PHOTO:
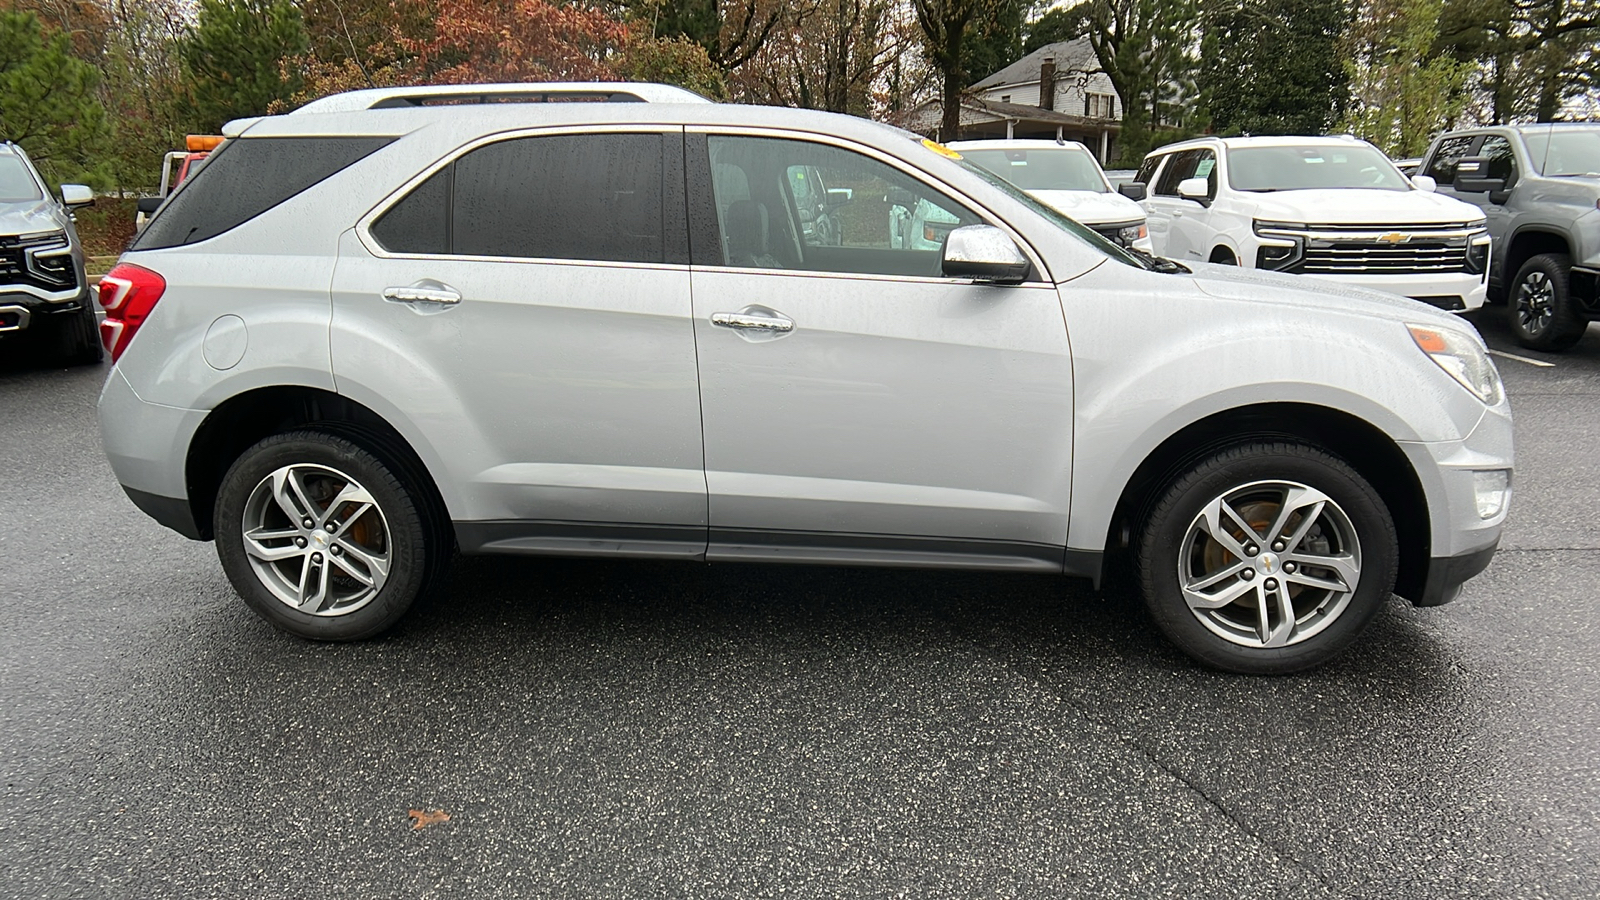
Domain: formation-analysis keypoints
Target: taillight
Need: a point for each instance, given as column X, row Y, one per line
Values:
column 128, row 293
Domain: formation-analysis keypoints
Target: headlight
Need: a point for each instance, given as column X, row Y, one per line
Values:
column 1131, row 233
column 1262, row 226
column 1464, row 358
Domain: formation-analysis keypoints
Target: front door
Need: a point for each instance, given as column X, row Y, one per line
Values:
column 858, row 404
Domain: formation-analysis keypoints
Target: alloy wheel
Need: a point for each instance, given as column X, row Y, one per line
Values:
column 1269, row 564
column 316, row 539
column 1535, row 303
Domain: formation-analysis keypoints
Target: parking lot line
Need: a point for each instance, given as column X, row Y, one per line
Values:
column 1523, row 359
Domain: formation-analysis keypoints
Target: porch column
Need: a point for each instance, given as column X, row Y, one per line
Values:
column 1010, row 124
column 1105, row 147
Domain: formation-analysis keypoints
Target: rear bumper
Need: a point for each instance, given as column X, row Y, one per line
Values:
column 147, row 446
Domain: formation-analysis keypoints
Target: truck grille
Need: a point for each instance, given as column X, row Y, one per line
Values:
column 51, row 272
column 1380, row 249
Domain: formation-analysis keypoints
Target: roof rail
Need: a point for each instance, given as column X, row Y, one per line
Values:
column 459, row 94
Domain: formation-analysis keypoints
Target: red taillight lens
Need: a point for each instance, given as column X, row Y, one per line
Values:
column 128, row 293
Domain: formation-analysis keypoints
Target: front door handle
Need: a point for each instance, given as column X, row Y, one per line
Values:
column 759, row 321
column 423, row 292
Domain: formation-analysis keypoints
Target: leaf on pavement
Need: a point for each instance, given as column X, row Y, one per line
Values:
column 422, row 818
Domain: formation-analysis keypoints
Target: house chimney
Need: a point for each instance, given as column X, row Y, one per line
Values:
column 1047, row 83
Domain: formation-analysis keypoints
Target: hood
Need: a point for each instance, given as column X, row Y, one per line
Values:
column 1235, row 283
column 30, row 216
column 1091, row 207
column 1360, row 206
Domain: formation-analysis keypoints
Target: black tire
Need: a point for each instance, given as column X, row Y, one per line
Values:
column 1252, row 473
column 77, row 337
column 403, row 534
column 1539, row 305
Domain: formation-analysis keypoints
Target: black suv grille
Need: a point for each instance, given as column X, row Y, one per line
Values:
column 50, row 271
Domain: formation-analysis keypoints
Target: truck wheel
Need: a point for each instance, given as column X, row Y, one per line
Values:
column 1267, row 558
column 77, row 337
column 1539, row 304
column 322, row 538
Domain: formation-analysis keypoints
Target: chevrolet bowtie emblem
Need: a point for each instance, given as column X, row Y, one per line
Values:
column 1394, row 237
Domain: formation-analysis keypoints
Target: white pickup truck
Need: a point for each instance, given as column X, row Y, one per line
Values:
column 1333, row 208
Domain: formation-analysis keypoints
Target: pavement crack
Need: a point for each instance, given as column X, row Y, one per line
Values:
column 1129, row 741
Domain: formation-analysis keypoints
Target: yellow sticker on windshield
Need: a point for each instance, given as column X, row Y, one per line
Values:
column 940, row 149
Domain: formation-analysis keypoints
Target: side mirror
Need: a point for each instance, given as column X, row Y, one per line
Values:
column 149, row 205
column 76, row 195
column 1195, row 189
column 1472, row 176
column 985, row 254
column 1133, row 190
column 840, row 196
column 1424, row 183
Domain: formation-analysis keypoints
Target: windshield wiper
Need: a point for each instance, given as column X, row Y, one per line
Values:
column 1157, row 263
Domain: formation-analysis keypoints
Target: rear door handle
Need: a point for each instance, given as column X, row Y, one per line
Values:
column 423, row 292
column 749, row 320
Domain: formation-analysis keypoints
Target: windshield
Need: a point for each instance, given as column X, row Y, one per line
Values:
column 1043, row 168
column 1317, row 166
column 16, row 182
column 1565, row 152
column 1087, row 235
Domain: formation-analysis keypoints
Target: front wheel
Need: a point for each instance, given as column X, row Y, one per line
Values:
column 1542, row 314
column 322, row 538
column 1267, row 558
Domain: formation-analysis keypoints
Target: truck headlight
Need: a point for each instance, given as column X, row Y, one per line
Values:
column 1464, row 358
column 1126, row 236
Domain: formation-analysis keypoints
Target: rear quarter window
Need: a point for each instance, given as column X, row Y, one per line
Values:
column 244, row 178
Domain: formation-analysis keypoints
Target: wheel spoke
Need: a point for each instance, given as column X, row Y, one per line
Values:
column 377, row 565
column 313, row 587
column 253, row 544
column 1218, row 576
column 1238, row 519
column 1279, row 634
column 1347, row 573
column 1295, row 499
column 1211, row 523
column 1218, row 599
column 352, row 493
column 344, row 525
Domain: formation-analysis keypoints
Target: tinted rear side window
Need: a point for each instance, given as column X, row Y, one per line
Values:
column 244, row 178
column 421, row 222
column 562, row 197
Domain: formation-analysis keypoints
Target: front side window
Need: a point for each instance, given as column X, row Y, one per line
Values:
column 1043, row 169
column 791, row 204
column 1442, row 168
column 1313, row 167
column 1502, row 161
column 1200, row 163
column 16, row 182
column 589, row 196
column 1147, row 171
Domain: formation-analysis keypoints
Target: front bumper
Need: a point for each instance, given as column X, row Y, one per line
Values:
column 21, row 311
column 1461, row 541
column 1584, row 284
column 1451, row 291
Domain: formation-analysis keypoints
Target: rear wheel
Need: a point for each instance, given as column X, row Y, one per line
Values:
column 322, row 538
column 1540, row 307
column 1267, row 558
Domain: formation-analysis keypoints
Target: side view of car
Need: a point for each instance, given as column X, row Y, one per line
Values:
column 1539, row 186
column 1066, row 176
column 44, row 295
column 359, row 340
column 1333, row 208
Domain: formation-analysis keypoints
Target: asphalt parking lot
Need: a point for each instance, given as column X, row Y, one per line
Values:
column 622, row 729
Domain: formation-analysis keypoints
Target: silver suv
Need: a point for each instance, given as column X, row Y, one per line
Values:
column 44, row 295
column 358, row 341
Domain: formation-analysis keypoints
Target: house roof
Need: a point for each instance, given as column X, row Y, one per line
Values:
column 974, row 110
column 1071, row 56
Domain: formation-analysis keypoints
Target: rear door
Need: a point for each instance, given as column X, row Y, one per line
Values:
column 523, row 308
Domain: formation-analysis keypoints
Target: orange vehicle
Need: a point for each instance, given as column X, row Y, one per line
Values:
column 176, row 168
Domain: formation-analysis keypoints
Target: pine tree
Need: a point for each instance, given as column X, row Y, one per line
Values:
column 238, row 61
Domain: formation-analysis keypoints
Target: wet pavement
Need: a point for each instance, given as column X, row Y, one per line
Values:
column 628, row 729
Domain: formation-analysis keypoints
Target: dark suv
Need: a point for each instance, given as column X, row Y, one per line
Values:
column 44, row 294
column 1539, row 185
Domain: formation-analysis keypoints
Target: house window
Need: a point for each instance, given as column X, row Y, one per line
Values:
column 1005, row 98
column 1099, row 106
